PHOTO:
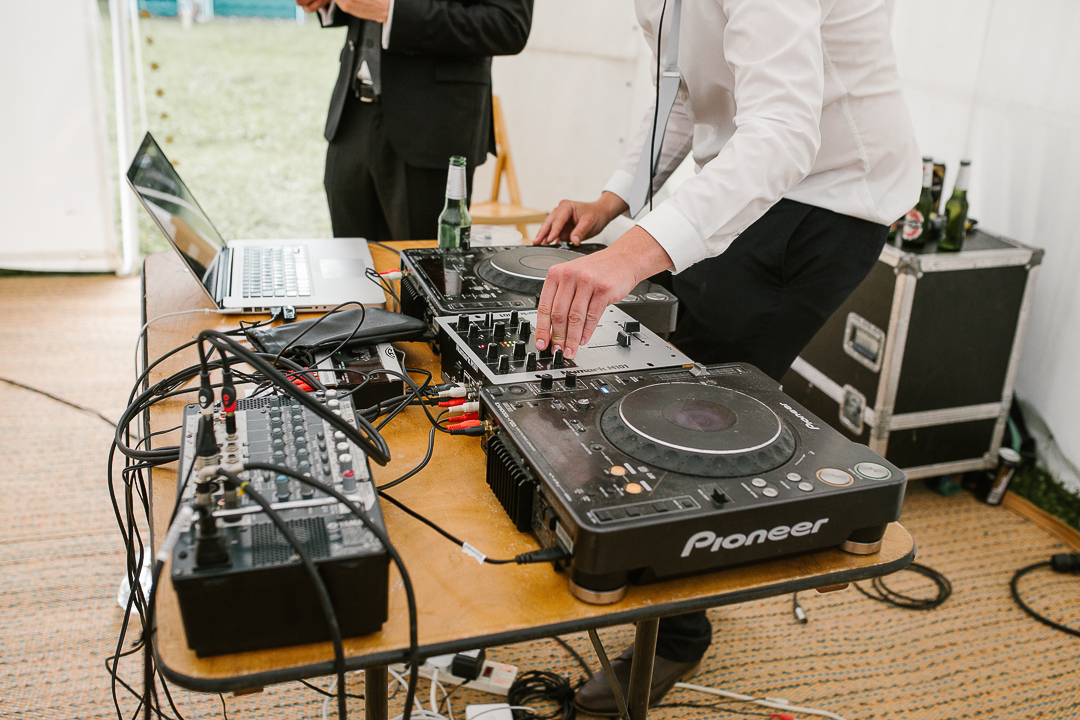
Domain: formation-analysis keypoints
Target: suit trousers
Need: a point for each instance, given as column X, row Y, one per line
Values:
column 371, row 191
column 761, row 302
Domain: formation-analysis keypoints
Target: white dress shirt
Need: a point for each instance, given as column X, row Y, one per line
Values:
column 326, row 16
column 798, row 99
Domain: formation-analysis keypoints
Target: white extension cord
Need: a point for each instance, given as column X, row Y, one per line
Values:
column 774, row 703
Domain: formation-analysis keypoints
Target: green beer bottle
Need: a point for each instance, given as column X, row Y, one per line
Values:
column 916, row 226
column 956, row 210
column 455, row 223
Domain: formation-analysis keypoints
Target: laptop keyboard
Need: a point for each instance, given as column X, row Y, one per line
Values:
column 276, row 272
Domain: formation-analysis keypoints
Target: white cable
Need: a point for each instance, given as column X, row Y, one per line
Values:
column 142, row 330
column 774, row 703
column 434, row 687
column 192, row 704
column 328, row 698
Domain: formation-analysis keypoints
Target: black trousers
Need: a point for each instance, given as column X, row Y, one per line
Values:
column 761, row 302
column 372, row 193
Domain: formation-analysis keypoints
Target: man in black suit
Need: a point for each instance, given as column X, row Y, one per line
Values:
column 414, row 89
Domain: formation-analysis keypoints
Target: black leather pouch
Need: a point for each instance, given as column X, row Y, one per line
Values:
column 331, row 330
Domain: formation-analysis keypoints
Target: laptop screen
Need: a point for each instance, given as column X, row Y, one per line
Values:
column 175, row 210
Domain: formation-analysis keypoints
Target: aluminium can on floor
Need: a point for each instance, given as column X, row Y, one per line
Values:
column 919, row 363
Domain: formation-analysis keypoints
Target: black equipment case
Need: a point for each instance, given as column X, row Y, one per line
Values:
column 919, row 362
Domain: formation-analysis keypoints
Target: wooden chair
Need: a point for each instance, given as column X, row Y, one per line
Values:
column 494, row 212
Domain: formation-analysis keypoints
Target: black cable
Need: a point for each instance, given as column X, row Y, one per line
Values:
column 224, row 710
column 384, row 246
column 882, row 593
column 319, row 690
column 1014, row 589
column 656, row 105
column 536, row 556
column 326, row 604
column 406, row 580
column 369, row 440
column 92, row 411
column 574, row 654
column 542, row 685
column 423, row 463
column 315, row 324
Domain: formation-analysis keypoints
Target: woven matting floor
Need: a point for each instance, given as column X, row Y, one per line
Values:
column 977, row 656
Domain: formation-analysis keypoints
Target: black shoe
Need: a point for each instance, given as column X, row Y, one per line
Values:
column 595, row 696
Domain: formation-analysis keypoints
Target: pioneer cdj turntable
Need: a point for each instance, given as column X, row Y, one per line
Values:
column 441, row 282
column 643, row 476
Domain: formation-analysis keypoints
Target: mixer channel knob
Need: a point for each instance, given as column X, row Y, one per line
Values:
column 504, row 364
column 519, row 351
column 474, row 333
column 530, row 362
column 570, row 380
column 514, row 317
column 489, row 320
column 499, row 332
column 546, row 382
column 545, row 354
column 524, row 330
column 331, row 394
column 462, row 323
column 557, row 361
column 492, row 352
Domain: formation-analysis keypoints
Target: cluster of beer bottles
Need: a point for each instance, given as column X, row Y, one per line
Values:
column 923, row 224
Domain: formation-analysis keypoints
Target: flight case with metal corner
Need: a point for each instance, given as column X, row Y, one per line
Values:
column 919, row 362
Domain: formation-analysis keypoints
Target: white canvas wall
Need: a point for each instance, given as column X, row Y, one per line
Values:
column 998, row 81
column 55, row 199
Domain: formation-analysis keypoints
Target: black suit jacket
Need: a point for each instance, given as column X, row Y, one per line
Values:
column 436, row 75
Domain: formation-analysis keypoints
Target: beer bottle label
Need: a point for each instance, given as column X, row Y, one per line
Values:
column 912, row 225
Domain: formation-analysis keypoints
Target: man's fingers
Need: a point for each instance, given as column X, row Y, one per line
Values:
column 541, row 234
column 543, row 311
column 581, row 229
column 576, row 318
column 597, row 305
column 561, row 215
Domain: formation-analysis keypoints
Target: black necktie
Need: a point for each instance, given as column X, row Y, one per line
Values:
column 370, row 53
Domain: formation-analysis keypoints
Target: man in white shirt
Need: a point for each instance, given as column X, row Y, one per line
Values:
column 805, row 155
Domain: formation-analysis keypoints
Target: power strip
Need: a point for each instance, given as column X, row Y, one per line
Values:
column 495, row 677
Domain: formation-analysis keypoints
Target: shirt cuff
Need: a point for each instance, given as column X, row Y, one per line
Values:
column 619, row 184
column 670, row 228
column 386, row 26
column 326, row 14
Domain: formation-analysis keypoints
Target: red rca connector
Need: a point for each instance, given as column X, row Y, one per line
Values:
column 781, row 716
column 391, row 274
column 465, row 416
column 452, row 403
column 302, row 385
column 463, row 425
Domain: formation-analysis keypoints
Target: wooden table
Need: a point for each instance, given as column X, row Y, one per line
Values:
column 462, row 605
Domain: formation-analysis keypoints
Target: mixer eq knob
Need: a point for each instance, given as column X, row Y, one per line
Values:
column 519, row 351
column 504, row 364
column 530, row 362
column 524, row 329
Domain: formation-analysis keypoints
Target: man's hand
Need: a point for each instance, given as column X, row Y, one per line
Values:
column 575, row 222
column 576, row 293
column 377, row 10
column 312, row 5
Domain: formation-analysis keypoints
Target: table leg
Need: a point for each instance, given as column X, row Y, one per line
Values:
column 375, row 702
column 641, row 668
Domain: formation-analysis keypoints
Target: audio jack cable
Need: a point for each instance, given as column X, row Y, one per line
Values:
column 1062, row 563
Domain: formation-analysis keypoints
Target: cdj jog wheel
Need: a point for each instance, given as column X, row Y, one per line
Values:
column 523, row 269
column 696, row 429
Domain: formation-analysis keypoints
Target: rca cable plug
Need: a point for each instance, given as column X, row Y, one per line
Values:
column 207, row 450
column 228, row 399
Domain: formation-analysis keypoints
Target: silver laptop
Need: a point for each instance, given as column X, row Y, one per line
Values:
column 250, row 276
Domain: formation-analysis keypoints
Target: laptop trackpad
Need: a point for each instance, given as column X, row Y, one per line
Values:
column 331, row 268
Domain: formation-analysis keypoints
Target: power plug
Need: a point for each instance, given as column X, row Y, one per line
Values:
column 494, row 677
column 494, row 711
